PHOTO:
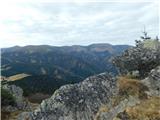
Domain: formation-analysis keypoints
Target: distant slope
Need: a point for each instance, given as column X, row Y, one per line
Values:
column 50, row 64
column 18, row 77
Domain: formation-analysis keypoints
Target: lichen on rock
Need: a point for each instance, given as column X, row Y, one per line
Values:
column 79, row 101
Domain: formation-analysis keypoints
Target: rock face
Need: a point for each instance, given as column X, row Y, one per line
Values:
column 17, row 93
column 153, row 81
column 110, row 115
column 77, row 102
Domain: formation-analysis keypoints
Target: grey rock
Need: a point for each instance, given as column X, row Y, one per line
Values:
column 153, row 82
column 78, row 101
column 135, row 73
column 113, row 112
column 24, row 116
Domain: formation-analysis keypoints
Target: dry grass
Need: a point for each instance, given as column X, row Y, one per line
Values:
column 149, row 109
column 132, row 87
column 129, row 87
column 10, row 115
column 103, row 108
column 5, row 115
column 18, row 76
column 14, row 115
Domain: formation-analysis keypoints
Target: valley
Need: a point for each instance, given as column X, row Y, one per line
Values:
column 43, row 69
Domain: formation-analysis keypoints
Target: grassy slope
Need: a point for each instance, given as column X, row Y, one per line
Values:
column 149, row 107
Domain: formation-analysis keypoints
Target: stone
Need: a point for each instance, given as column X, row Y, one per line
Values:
column 78, row 101
column 153, row 81
column 113, row 112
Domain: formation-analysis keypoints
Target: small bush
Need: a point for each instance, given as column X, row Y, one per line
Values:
column 7, row 98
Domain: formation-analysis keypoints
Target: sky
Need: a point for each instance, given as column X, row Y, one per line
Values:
column 24, row 22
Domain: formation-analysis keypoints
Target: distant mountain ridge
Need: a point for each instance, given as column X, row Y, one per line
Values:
column 57, row 66
column 92, row 47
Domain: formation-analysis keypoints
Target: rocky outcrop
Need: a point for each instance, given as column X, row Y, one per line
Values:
column 153, row 82
column 20, row 102
column 78, row 101
column 110, row 115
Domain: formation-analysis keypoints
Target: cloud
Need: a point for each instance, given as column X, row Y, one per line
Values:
column 76, row 23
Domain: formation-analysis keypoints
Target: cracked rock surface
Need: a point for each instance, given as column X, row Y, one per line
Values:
column 79, row 101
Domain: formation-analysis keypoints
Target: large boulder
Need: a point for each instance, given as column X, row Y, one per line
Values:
column 78, row 101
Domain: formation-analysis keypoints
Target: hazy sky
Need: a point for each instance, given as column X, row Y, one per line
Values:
column 76, row 23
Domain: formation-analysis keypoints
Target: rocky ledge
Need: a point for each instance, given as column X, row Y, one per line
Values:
column 76, row 102
column 153, row 82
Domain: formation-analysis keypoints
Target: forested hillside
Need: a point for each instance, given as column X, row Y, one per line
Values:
column 45, row 68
